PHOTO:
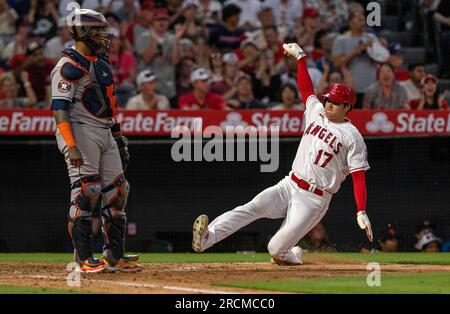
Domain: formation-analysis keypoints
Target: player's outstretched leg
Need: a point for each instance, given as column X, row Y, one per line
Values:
column 270, row 203
column 305, row 211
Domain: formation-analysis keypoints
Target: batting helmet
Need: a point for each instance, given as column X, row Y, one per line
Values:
column 340, row 93
column 92, row 28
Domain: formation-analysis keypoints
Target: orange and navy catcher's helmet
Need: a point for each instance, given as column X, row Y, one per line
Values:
column 92, row 28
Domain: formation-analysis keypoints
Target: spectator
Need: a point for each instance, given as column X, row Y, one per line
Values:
column 249, row 55
column 289, row 75
column 187, row 20
column 54, row 46
column 287, row 13
column 216, row 66
column 424, row 227
column 309, row 27
column 200, row 98
column 147, row 99
column 317, row 240
column 333, row 13
column 349, row 51
column 442, row 16
column 227, row 36
column 386, row 93
column 274, row 46
column 184, row 70
column 39, row 68
column 129, row 11
column 413, row 85
column 266, row 80
column 142, row 24
column 319, row 44
column 388, row 240
column 227, row 87
column 428, row 243
column 290, row 99
column 396, row 60
column 9, row 90
column 124, row 68
column 248, row 19
column 431, row 97
column 19, row 43
column 187, row 48
column 328, row 78
column 8, row 18
column 325, row 49
column 159, row 49
column 244, row 98
column 266, row 19
column 44, row 17
column 210, row 12
column 201, row 52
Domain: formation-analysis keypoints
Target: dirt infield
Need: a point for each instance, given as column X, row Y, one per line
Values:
column 188, row 277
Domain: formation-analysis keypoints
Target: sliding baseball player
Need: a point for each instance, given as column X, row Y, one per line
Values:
column 331, row 148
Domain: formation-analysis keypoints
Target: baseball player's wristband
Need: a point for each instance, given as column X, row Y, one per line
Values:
column 65, row 128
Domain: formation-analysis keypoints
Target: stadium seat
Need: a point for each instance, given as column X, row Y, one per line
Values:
column 390, row 22
column 403, row 38
column 432, row 68
column 414, row 55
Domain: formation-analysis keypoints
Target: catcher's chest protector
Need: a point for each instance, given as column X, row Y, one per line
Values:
column 99, row 95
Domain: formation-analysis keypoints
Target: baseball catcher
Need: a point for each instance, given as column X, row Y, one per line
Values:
column 331, row 148
column 89, row 137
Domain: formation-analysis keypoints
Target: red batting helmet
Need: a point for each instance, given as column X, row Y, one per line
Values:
column 340, row 93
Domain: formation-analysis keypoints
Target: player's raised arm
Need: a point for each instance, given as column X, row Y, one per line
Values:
column 303, row 79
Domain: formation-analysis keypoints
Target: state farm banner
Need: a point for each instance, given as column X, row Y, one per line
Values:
column 290, row 123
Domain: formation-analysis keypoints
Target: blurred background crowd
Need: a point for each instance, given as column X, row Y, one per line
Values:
column 196, row 54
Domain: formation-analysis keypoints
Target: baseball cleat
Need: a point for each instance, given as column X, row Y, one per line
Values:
column 199, row 231
column 131, row 258
column 92, row 265
column 122, row 266
column 297, row 251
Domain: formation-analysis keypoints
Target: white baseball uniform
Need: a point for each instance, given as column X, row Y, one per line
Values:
column 327, row 153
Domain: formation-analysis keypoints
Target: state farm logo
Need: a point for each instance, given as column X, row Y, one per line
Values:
column 232, row 120
column 380, row 122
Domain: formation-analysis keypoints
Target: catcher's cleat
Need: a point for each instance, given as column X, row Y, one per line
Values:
column 131, row 258
column 92, row 265
column 122, row 266
column 297, row 251
column 199, row 231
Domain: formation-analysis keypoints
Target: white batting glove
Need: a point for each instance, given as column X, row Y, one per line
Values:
column 294, row 50
column 364, row 223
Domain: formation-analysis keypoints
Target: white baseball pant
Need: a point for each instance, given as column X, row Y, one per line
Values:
column 301, row 209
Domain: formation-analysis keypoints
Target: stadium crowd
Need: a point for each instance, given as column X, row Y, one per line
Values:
column 195, row 54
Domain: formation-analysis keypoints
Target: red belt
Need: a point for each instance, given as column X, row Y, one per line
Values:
column 305, row 185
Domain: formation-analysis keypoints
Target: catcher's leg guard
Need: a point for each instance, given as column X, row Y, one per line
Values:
column 85, row 194
column 115, row 219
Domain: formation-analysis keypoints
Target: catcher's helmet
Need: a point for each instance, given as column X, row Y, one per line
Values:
column 90, row 27
column 340, row 93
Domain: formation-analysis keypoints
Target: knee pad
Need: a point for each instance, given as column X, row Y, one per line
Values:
column 86, row 199
column 118, row 200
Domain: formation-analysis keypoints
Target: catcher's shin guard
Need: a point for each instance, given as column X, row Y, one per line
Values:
column 115, row 219
column 85, row 194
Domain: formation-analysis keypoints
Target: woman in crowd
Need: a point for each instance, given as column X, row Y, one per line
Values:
column 9, row 90
column 386, row 92
column 289, row 99
column 431, row 96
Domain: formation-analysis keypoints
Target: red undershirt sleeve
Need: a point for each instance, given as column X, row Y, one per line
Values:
column 359, row 189
column 304, row 82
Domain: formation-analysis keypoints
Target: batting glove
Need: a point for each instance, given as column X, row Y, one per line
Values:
column 364, row 223
column 294, row 50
